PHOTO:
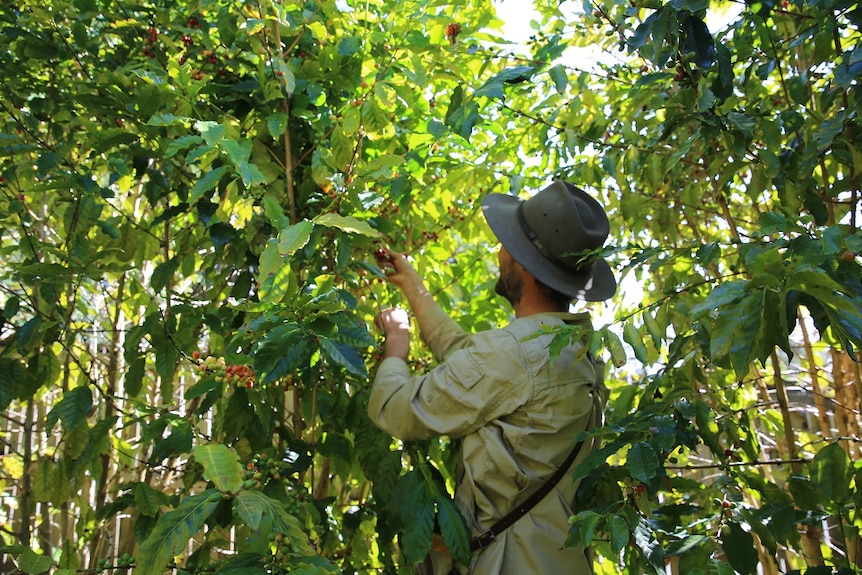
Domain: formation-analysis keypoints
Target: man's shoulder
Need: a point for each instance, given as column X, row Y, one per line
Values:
column 536, row 322
column 528, row 328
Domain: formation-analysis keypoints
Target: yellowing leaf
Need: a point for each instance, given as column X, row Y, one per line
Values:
column 12, row 466
column 221, row 466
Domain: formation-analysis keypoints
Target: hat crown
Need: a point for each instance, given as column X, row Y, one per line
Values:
column 548, row 234
column 563, row 221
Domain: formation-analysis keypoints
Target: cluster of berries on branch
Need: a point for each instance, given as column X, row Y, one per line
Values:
column 232, row 374
column 118, row 565
column 259, row 470
column 203, row 58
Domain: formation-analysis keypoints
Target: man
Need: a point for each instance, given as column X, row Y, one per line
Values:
column 516, row 410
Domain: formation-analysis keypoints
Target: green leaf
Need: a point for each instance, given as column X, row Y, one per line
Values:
column 202, row 387
column 312, row 566
column 461, row 116
column 274, row 273
column 642, row 462
column 416, row 508
column 559, row 342
column 182, row 143
column 294, row 237
column 356, row 335
column 619, row 533
column 72, row 410
column 51, row 483
column 344, row 355
column 212, row 131
column 250, row 174
column 207, row 183
column 587, row 524
column 645, row 30
column 831, row 475
column 256, row 508
column 244, row 563
column 34, row 563
column 560, row 78
column 737, row 333
column 632, row 336
column 613, row 344
column 237, row 151
column 167, row 357
column 276, row 124
column 221, row 466
column 698, row 40
column 493, row 88
column 134, row 379
column 28, row 335
column 717, row 567
column 738, row 546
column 148, row 500
column 283, row 350
column 177, row 443
column 594, row 459
column 650, row 546
column 348, row 224
column 167, row 120
column 706, row 100
column 805, row 496
column 722, row 295
column 818, row 284
column 655, row 331
column 173, row 531
column 832, row 240
column 456, row 535
column 163, row 274
column 342, row 147
column 706, row 425
column 743, row 122
column 382, row 167
column 249, row 508
column 12, row 379
column 685, row 545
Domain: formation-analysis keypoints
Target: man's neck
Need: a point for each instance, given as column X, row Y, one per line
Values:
column 531, row 306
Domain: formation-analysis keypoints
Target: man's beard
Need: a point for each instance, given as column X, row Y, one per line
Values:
column 509, row 285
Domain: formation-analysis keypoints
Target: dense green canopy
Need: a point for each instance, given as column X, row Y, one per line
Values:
column 193, row 195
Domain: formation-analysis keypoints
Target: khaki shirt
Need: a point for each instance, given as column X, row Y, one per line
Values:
column 517, row 414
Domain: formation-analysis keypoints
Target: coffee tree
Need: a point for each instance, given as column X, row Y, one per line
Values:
column 198, row 199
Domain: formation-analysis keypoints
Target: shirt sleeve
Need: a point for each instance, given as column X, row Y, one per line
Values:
column 441, row 333
column 481, row 381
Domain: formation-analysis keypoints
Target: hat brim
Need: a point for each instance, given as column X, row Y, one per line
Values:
column 501, row 213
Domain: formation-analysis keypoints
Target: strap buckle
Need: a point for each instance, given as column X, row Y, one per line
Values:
column 483, row 539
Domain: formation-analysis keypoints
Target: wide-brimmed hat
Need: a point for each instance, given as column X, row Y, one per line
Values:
column 548, row 235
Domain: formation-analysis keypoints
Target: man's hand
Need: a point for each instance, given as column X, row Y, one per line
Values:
column 399, row 270
column 396, row 329
column 401, row 273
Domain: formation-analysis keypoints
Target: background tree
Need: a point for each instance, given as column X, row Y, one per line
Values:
column 196, row 196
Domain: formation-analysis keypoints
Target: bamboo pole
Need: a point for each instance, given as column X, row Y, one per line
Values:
column 812, row 539
column 819, row 402
column 24, row 497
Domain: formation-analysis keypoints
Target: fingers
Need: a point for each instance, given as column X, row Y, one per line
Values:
column 396, row 329
column 402, row 267
column 393, row 319
column 399, row 261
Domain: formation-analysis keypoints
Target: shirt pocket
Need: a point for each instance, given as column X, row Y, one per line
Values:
column 465, row 368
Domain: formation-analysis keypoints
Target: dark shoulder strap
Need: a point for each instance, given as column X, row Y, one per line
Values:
column 485, row 539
